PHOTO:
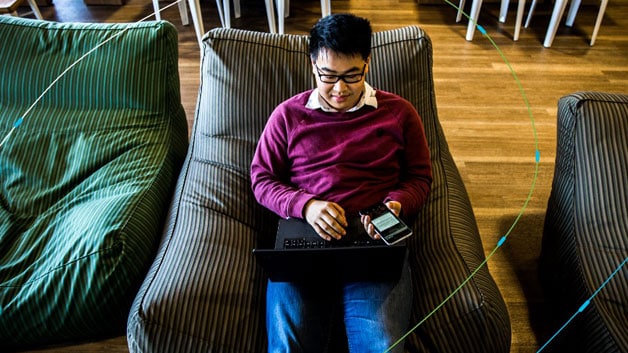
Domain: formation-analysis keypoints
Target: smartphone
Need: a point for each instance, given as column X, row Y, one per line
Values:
column 391, row 229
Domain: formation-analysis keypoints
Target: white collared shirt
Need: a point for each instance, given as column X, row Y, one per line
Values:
column 368, row 98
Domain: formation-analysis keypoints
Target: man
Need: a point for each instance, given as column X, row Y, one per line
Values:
column 324, row 155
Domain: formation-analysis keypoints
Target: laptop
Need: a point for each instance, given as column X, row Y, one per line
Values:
column 300, row 254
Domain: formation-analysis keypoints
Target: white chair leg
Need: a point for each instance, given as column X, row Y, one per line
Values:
column 571, row 15
column 226, row 8
column 557, row 14
column 460, row 9
column 197, row 19
column 503, row 10
column 183, row 10
column 598, row 21
column 530, row 13
column 221, row 13
column 35, row 9
column 270, row 14
column 237, row 13
column 325, row 8
column 474, row 15
column 520, row 9
column 281, row 12
column 276, row 23
column 156, row 8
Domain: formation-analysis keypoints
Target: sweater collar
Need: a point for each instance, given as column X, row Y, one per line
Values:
column 368, row 98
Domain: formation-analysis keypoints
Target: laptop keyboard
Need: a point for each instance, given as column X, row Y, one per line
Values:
column 314, row 242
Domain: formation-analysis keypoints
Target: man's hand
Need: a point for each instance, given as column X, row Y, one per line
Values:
column 394, row 206
column 327, row 218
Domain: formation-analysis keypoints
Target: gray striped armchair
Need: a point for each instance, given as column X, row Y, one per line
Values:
column 205, row 292
column 585, row 237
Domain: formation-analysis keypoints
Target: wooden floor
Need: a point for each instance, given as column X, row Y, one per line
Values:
column 496, row 101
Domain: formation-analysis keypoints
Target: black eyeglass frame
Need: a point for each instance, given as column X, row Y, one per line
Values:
column 347, row 78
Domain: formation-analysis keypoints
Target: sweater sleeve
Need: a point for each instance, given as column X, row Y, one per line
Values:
column 416, row 178
column 270, row 170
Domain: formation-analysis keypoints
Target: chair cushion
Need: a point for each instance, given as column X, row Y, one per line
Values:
column 206, row 293
column 86, row 177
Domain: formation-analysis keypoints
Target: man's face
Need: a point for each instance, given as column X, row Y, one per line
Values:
column 341, row 95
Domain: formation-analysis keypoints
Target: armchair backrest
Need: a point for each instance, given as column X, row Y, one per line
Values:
column 256, row 85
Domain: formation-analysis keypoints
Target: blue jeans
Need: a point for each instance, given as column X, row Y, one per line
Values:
column 300, row 317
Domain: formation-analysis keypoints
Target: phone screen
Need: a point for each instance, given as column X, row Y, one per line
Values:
column 390, row 227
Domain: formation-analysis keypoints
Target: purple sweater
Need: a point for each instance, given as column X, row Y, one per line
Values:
column 354, row 159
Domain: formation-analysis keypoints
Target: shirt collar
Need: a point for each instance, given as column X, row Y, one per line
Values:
column 368, row 98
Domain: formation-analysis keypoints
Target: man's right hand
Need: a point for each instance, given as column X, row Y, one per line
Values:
column 327, row 218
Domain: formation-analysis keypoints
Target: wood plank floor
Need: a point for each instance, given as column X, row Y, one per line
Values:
column 496, row 101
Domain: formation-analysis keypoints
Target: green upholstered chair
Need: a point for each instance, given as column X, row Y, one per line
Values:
column 86, row 177
column 205, row 292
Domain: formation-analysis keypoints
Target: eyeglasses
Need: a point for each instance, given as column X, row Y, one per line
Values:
column 350, row 78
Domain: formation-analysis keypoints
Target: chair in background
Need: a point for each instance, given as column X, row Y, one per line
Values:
column 224, row 12
column 283, row 7
column 584, row 235
column 10, row 7
column 557, row 14
column 475, row 14
column 86, row 179
column 197, row 17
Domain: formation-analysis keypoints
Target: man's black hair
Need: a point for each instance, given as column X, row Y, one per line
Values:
column 345, row 34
